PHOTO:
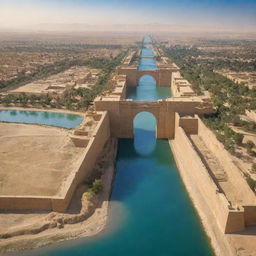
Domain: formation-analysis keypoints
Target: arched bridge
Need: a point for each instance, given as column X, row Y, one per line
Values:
column 163, row 75
column 123, row 112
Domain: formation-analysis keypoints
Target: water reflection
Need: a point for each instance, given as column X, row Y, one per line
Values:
column 145, row 130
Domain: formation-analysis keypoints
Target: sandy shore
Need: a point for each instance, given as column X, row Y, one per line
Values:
column 91, row 226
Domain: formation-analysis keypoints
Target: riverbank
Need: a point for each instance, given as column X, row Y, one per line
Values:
column 88, row 222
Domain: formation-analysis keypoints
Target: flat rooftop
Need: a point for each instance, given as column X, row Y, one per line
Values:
column 35, row 160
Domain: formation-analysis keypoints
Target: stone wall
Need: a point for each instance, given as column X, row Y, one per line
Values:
column 189, row 124
column 203, row 188
column 245, row 194
column 250, row 215
column 122, row 113
column 191, row 166
column 92, row 151
column 163, row 75
column 25, row 202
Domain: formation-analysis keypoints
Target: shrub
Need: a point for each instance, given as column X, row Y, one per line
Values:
column 251, row 183
column 96, row 187
column 238, row 138
column 249, row 144
column 254, row 167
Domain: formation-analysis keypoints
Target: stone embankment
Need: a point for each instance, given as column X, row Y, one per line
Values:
column 222, row 197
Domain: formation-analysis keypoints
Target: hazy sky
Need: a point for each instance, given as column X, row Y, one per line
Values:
column 210, row 13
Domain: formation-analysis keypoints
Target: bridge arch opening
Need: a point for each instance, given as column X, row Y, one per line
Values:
column 144, row 129
column 147, row 81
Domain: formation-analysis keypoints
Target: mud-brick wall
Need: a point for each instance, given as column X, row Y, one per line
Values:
column 25, row 202
column 131, row 74
column 165, row 77
column 88, row 160
column 200, row 182
column 250, row 215
column 190, row 125
column 244, row 192
column 92, row 151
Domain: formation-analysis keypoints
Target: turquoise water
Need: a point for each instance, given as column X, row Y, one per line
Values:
column 46, row 118
column 147, row 52
column 147, row 64
column 147, row 90
column 150, row 212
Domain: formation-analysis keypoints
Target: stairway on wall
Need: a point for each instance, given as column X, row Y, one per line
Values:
column 209, row 159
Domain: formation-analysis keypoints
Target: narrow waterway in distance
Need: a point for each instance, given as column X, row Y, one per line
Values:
column 147, row 90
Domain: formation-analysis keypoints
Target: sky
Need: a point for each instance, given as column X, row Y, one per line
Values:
column 230, row 14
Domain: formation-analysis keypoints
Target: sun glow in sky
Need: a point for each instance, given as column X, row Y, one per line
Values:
column 232, row 14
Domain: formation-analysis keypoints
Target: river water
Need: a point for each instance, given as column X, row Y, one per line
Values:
column 150, row 213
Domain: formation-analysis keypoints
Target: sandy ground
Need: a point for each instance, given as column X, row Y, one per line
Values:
column 244, row 242
column 35, row 160
column 91, row 226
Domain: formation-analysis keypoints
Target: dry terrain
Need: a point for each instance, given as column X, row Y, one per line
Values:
column 35, row 160
column 85, row 217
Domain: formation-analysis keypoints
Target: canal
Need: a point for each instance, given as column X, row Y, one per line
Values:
column 151, row 213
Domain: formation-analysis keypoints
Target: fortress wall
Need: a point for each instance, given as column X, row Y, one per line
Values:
column 250, row 215
column 201, row 187
column 245, row 194
column 191, row 166
column 165, row 78
column 189, row 106
column 60, row 204
column 113, row 108
column 25, row 202
column 131, row 74
column 95, row 146
column 122, row 113
column 190, row 125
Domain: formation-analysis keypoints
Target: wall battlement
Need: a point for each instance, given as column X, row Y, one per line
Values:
column 230, row 216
